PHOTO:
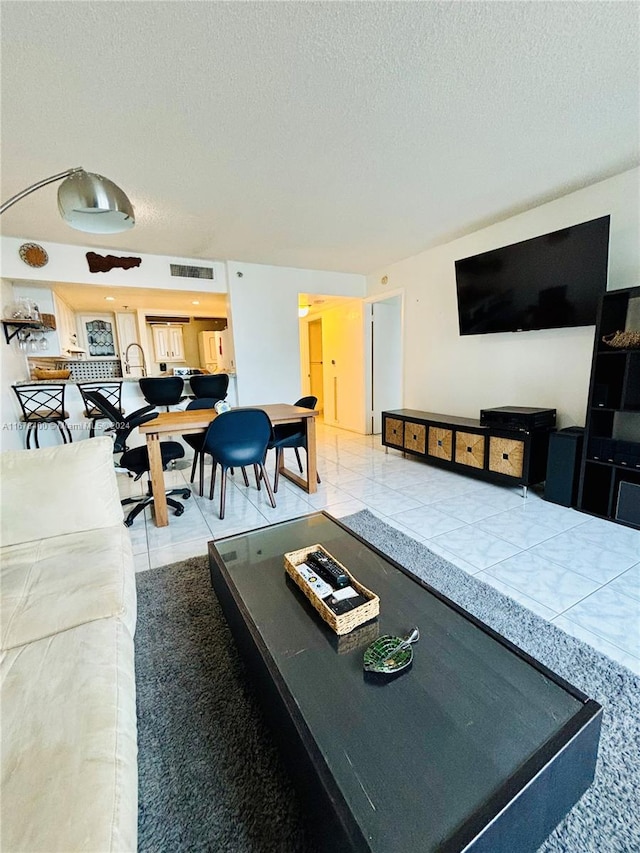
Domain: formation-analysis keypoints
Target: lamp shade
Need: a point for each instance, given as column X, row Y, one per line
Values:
column 92, row 203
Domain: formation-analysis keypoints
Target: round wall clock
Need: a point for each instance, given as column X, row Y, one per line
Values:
column 33, row 254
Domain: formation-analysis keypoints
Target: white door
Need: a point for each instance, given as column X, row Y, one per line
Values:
column 127, row 325
column 386, row 358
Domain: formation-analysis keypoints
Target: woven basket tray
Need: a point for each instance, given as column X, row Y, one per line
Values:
column 49, row 373
column 347, row 621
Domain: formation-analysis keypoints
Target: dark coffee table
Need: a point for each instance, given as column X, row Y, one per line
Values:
column 477, row 747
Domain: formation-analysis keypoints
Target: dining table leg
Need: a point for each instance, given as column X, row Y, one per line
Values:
column 312, row 459
column 157, row 480
column 310, row 483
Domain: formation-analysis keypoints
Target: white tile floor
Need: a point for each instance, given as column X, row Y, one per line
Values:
column 579, row 572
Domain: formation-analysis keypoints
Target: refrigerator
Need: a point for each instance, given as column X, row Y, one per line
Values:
column 216, row 352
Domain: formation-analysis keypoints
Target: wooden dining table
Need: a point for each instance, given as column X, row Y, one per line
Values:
column 187, row 422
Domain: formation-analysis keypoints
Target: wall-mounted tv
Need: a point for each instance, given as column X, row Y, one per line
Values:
column 547, row 282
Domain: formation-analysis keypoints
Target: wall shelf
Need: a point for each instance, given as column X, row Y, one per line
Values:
column 43, row 325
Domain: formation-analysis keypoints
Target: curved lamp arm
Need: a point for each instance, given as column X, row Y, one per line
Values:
column 86, row 201
column 33, row 187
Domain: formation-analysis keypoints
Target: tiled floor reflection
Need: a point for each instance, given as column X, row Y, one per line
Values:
column 580, row 572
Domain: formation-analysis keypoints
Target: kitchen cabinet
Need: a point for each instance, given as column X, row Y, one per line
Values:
column 168, row 344
column 97, row 335
column 610, row 470
column 207, row 351
column 461, row 444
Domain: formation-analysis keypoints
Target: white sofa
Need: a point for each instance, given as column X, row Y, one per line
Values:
column 68, row 716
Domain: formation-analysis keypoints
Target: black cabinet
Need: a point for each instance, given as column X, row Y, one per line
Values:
column 461, row 444
column 610, row 471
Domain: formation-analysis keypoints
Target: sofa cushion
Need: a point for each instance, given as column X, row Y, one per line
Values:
column 58, row 490
column 69, row 758
column 56, row 584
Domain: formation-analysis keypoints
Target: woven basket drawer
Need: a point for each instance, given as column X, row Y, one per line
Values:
column 347, row 621
column 470, row 449
column 394, row 431
column 441, row 443
column 415, row 437
column 506, row 456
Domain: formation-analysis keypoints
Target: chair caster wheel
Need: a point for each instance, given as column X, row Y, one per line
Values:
column 179, row 511
column 186, row 494
column 128, row 522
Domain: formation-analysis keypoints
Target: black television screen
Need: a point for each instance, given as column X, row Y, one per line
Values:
column 547, row 282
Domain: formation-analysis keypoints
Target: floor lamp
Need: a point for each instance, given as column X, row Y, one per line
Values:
column 86, row 201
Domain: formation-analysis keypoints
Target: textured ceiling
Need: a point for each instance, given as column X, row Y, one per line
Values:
column 339, row 135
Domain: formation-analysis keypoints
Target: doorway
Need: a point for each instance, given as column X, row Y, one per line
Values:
column 316, row 375
column 386, row 359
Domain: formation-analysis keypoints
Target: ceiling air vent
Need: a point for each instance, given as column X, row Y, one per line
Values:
column 185, row 271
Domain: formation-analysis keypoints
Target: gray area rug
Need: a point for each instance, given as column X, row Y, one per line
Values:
column 210, row 776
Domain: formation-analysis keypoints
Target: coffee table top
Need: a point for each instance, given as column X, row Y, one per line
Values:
column 420, row 757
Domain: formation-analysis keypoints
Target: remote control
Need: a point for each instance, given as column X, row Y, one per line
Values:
column 328, row 569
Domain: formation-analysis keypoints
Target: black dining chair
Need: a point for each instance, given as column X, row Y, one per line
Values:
column 162, row 390
column 236, row 439
column 136, row 459
column 196, row 440
column 213, row 385
column 43, row 404
column 111, row 391
column 291, row 436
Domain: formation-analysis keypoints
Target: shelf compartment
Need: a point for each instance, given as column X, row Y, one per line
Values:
column 631, row 395
column 602, row 421
column 597, row 488
column 626, row 490
column 608, row 381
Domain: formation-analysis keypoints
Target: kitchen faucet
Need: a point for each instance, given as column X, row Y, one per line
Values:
column 127, row 366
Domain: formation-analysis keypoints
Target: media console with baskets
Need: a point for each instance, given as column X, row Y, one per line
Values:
column 494, row 453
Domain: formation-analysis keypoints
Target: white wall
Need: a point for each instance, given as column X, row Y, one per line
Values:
column 456, row 375
column 264, row 323
column 69, row 264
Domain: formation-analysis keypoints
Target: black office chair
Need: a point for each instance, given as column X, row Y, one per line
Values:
column 111, row 391
column 162, row 390
column 291, row 435
column 43, row 404
column 136, row 459
column 212, row 385
column 236, row 439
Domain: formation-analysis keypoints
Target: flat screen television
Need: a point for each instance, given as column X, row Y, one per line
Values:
column 548, row 282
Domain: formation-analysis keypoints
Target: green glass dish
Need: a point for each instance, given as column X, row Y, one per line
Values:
column 383, row 655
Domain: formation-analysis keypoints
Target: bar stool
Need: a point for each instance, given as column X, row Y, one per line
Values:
column 162, row 390
column 43, row 404
column 111, row 391
column 212, row 385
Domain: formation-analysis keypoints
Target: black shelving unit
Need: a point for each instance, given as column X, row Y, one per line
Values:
column 610, row 471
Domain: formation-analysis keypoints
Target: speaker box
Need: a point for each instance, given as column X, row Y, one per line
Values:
column 563, row 466
column 628, row 507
